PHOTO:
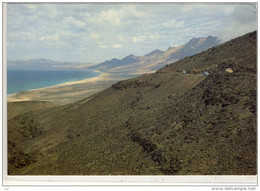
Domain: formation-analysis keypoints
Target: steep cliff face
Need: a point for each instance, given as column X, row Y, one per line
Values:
column 161, row 123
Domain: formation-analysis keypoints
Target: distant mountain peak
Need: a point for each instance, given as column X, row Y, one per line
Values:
column 129, row 59
column 129, row 56
column 170, row 48
column 156, row 51
column 114, row 59
column 211, row 37
column 40, row 59
column 202, row 40
column 194, row 40
column 158, row 58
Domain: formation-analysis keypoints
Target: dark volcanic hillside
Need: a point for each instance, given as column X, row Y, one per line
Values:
column 160, row 123
column 18, row 108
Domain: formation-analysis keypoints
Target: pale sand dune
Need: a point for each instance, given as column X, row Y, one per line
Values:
column 67, row 92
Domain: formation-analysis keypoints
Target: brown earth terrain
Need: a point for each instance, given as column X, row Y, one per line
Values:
column 164, row 123
column 18, row 108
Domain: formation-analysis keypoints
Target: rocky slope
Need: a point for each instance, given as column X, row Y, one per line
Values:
column 161, row 123
column 18, row 108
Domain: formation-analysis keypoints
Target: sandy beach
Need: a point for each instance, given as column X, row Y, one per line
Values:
column 70, row 91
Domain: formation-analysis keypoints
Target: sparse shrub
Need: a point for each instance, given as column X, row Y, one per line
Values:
column 146, row 144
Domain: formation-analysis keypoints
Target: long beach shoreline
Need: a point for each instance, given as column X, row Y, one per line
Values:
column 67, row 92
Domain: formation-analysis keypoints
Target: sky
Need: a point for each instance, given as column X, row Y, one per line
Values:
column 95, row 32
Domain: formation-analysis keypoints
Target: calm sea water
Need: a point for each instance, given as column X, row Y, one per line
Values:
column 22, row 80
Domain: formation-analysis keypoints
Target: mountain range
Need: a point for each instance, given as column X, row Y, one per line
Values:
column 42, row 64
column 131, row 64
column 157, row 58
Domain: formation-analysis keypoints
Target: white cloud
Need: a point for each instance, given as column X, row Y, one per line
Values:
column 31, row 6
column 140, row 39
column 137, row 39
column 154, row 37
column 120, row 14
column 122, row 39
column 101, row 45
column 116, row 45
column 57, row 30
column 54, row 37
column 73, row 22
column 132, row 10
column 111, row 16
column 94, row 35
column 77, row 52
column 174, row 24
column 242, row 20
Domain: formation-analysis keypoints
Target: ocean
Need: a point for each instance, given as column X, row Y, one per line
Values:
column 23, row 80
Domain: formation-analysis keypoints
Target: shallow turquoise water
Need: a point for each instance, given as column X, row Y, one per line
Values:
column 23, row 80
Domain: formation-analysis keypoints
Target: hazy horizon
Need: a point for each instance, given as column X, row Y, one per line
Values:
column 128, row 54
column 93, row 33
